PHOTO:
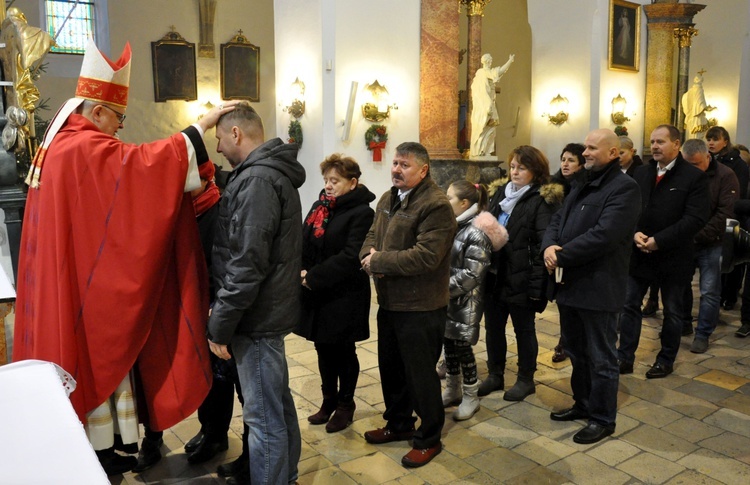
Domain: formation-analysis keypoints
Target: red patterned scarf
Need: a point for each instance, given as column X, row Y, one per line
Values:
column 318, row 218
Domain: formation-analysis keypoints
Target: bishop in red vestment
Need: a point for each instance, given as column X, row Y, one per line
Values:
column 111, row 271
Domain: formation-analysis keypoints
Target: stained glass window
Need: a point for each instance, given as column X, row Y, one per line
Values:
column 73, row 32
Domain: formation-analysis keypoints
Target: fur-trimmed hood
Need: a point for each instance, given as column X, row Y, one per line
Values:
column 552, row 192
column 486, row 222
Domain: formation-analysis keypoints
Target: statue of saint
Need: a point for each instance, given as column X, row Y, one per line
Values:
column 27, row 46
column 484, row 117
column 694, row 106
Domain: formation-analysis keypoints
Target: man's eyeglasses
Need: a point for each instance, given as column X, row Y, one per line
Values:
column 120, row 116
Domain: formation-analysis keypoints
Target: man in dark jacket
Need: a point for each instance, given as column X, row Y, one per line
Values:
column 407, row 250
column 724, row 190
column 587, row 245
column 675, row 206
column 721, row 149
column 257, row 258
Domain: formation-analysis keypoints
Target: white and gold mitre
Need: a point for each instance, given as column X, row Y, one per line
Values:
column 103, row 80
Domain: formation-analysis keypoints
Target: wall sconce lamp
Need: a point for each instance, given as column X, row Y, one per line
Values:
column 296, row 95
column 376, row 106
column 619, row 104
column 558, row 105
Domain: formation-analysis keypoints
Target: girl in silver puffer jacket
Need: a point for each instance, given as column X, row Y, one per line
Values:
column 478, row 235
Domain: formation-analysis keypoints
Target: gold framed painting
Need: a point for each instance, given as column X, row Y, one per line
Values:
column 624, row 35
column 240, row 69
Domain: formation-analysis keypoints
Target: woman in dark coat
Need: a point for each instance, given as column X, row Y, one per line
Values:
column 515, row 283
column 336, row 294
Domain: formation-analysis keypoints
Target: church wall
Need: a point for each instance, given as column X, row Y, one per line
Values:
column 505, row 31
column 144, row 21
column 722, row 48
column 361, row 44
column 569, row 57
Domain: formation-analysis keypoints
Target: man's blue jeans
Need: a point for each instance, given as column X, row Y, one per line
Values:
column 590, row 338
column 274, row 438
column 672, row 295
column 708, row 261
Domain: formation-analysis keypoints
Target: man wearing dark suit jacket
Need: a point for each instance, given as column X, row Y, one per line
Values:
column 589, row 240
column 675, row 206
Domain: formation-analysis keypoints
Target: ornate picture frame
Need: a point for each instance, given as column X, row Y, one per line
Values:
column 624, row 35
column 173, row 60
column 240, row 69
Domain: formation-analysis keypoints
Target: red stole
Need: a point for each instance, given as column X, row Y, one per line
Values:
column 111, row 272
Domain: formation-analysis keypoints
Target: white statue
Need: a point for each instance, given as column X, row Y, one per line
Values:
column 484, row 117
column 694, row 106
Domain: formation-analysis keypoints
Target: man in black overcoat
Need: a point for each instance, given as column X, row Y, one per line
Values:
column 588, row 245
column 675, row 206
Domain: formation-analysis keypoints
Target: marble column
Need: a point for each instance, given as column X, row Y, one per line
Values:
column 438, row 85
column 663, row 19
column 684, row 35
column 474, row 12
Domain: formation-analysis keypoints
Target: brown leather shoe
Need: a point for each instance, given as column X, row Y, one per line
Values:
column 416, row 457
column 384, row 435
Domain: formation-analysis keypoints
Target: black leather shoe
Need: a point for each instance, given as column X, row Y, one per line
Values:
column 242, row 478
column 650, row 308
column 384, row 435
column 592, row 433
column 233, row 468
column 659, row 370
column 207, row 450
column 559, row 355
column 114, row 464
column 194, row 442
column 570, row 414
column 625, row 367
column 149, row 455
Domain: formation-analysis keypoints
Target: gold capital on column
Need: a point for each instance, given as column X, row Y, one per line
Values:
column 473, row 7
column 685, row 34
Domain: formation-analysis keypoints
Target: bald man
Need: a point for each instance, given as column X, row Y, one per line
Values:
column 587, row 246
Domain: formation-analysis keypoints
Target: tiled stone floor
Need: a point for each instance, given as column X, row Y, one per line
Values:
column 692, row 427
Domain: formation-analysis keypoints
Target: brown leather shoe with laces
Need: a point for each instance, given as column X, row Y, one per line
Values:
column 420, row 457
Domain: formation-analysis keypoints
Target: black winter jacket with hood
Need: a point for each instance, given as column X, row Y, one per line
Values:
column 257, row 255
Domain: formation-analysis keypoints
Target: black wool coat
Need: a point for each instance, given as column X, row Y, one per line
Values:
column 673, row 212
column 520, row 271
column 207, row 228
column 595, row 229
column 336, row 308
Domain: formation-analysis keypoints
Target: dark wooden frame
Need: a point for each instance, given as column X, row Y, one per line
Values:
column 631, row 61
column 173, row 60
column 240, row 69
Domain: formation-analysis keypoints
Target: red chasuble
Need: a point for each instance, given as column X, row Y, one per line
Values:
column 112, row 274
